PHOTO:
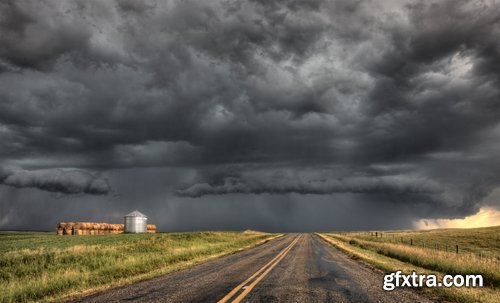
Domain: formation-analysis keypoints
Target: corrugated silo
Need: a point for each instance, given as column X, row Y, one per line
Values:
column 136, row 222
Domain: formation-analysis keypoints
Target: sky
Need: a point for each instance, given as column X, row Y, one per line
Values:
column 257, row 114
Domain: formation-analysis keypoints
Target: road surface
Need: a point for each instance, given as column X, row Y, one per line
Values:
column 293, row 268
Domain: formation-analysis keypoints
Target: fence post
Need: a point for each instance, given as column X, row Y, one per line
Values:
column 456, row 248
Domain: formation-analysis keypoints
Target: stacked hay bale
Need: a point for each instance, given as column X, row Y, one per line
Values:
column 68, row 228
column 116, row 228
column 65, row 228
column 151, row 228
column 77, row 229
column 94, row 229
column 85, row 226
column 88, row 228
column 60, row 228
column 100, row 228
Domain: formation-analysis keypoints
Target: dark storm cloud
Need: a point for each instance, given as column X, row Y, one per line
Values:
column 397, row 102
column 55, row 180
column 282, row 185
column 31, row 39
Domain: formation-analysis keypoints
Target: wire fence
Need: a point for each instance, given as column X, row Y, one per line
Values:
column 408, row 240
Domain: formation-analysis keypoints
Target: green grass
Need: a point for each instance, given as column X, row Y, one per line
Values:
column 38, row 267
column 390, row 254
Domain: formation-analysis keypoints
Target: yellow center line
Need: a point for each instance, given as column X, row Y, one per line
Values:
column 254, row 283
column 269, row 266
column 237, row 288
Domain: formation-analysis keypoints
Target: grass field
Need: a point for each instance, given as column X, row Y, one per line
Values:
column 432, row 251
column 38, row 267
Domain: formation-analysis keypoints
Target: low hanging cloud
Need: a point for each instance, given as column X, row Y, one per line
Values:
column 56, row 180
column 384, row 184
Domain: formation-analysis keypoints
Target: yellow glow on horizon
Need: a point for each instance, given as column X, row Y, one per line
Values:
column 486, row 216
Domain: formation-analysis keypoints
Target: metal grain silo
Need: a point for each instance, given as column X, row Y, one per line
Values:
column 136, row 222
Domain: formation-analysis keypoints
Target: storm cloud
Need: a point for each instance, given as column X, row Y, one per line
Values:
column 56, row 180
column 387, row 103
column 280, row 184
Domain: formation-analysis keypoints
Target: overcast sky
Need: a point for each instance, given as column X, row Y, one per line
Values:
column 270, row 115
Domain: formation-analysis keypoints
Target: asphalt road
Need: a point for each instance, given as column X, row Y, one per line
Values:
column 293, row 268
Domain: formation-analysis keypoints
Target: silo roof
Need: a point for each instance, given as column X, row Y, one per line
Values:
column 136, row 213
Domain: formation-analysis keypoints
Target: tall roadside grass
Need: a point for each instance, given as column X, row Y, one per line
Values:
column 38, row 267
column 441, row 261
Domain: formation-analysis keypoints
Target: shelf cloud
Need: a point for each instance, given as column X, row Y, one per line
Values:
column 375, row 102
column 321, row 187
column 56, row 180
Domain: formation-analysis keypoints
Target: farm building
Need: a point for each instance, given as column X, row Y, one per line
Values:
column 135, row 222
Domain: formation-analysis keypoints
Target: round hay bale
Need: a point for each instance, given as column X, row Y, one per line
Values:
column 77, row 228
column 60, row 231
column 151, row 228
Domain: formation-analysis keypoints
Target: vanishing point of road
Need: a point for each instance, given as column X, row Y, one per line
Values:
column 292, row 268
